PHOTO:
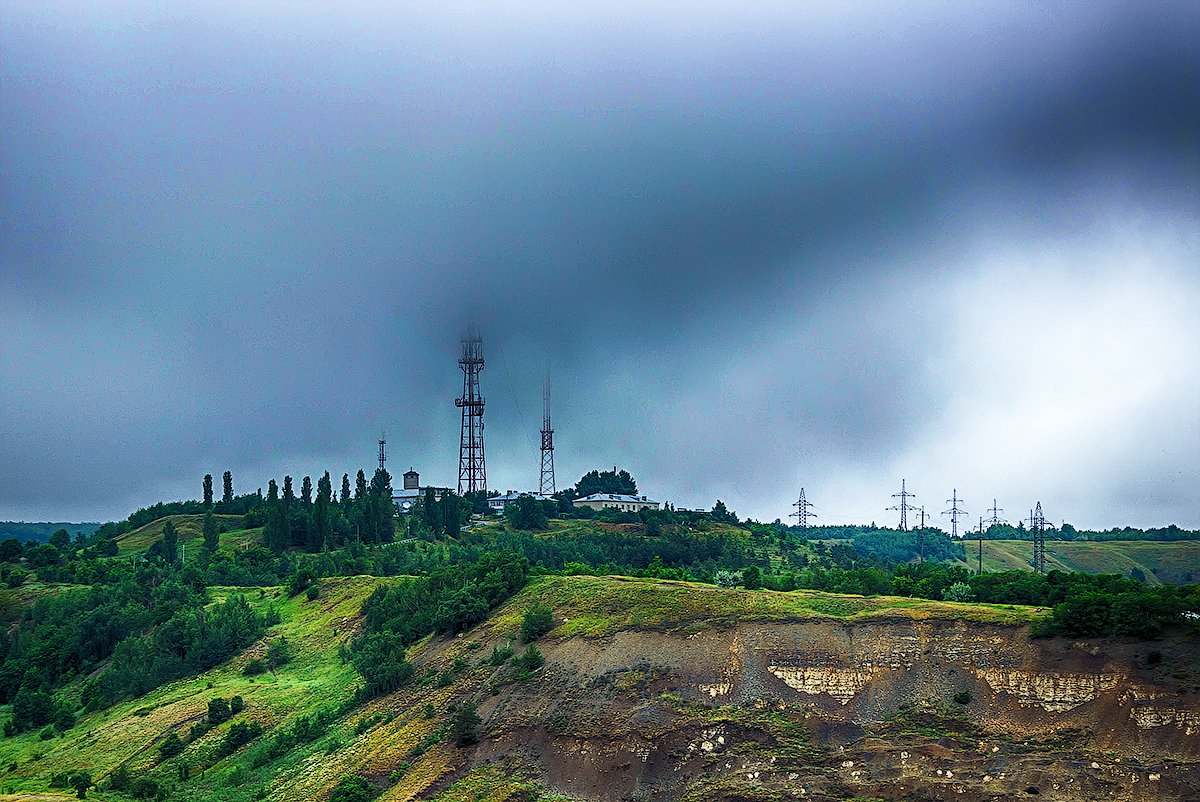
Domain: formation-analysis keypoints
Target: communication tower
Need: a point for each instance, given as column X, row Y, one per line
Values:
column 546, row 487
column 802, row 514
column 382, row 450
column 903, row 506
column 472, row 474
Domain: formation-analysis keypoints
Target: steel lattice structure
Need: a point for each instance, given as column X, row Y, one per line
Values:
column 546, row 489
column 1037, row 525
column 903, row 506
column 472, row 472
column 954, row 512
column 802, row 513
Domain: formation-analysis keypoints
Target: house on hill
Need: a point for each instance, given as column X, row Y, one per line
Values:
column 626, row 503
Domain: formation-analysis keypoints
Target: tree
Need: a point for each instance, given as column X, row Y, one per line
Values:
column 289, row 503
column 218, row 711
column 752, row 578
column 345, row 489
column 207, row 491
column 171, row 746
column 613, row 481
column 306, row 491
column 320, row 533
column 170, row 541
column 537, row 622
column 81, row 781
column 352, row 789
column 360, row 486
column 273, row 530
column 463, row 725
column 958, row 592
column 61, row 539
column 227, row 495
column 211, row 537
column 526, row 512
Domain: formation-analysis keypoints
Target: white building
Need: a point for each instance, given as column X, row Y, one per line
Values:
column 498, row 503
column 600, row 501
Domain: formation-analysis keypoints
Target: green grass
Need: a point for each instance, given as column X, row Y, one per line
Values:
column 1177, row 562
column 600, row 606
column 189, row 527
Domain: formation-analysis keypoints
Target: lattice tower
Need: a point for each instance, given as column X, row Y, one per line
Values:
column 802, row 513
column 954, row 512
column 903, row 506
column 1037, row 526
column 472, row 472
column 546, row 488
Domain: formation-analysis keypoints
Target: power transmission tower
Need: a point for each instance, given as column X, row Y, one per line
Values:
column 382, row 450
column 546, row 489
column 1037, row 525
column 802, row 514
column 954, row 512
column 903, row 506
column 472, row 473
column 995, row 520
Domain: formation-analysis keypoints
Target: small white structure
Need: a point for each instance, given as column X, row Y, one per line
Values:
column 599, row 501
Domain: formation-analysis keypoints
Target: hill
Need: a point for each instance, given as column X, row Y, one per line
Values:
column 664, row 689
column 1158, row 562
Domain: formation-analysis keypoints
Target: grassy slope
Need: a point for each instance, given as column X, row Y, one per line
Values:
column 131, row 731
column 1177, row 562
column 594, row 606
column 191, row 533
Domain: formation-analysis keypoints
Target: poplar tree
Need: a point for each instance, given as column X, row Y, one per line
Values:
column 273, row 531
column 211, row 538
column 320, row 531
column 306, row 492
column 289, row 501
column 208, row 491
column 170, row 541
column 345, row 488
column 227, row 496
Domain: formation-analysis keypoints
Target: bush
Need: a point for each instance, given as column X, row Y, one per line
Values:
column 218, row 711
column 538, row 621
column 752, row 578
column 239, row 734
column 958, row 592
column 171, row 746
column 963, row 697
column 352, row 789
column 279, row 653
column 463, row 724
column 253, row 668
column 727, row 579
column 500, row 656
column 236, row 705
column 313, row 593
column 532, row 659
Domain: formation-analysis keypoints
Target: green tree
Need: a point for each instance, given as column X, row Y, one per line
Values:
column 958, row 592
column 61, row 540
column 464, row 723
column 81, row 781
column 526, row 513
column 218, row 711
column 360, row 486
column 322, row 529
column 613, row 481
column 306, row 492
column 537, row 622
column 171, row 746
column 227, row 495
column 212, row 539
column 170, row 541
column 289, row 504
column 208, row 491
column 352, row 789
column 273, row 530
column 752, row 578
column 345, row 489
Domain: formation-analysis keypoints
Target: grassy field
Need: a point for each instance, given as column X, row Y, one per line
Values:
column 599, row 606
column 1177, row 562
column 191, row 534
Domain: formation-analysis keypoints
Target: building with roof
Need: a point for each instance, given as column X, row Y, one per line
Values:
column 626, row 503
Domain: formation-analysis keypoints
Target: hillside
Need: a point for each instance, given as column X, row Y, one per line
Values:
column 665, row 689
column 190, row 528
column 1160, row 562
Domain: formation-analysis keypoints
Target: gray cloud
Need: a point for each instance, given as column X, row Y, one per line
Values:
column 748, row 243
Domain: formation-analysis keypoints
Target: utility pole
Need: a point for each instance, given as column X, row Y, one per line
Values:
column 802, row 514
column 904, row 506
column 1037, row 525
column 921, row 535
column 472, row 473
column 546, row 488
column 980, row 547
column 954, row 512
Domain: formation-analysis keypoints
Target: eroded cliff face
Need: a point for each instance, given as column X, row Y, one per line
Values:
column 623, row 716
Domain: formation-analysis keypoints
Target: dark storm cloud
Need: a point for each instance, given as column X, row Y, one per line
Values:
column 248, row 236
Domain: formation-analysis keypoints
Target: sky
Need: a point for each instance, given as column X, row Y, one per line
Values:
column 758, row 247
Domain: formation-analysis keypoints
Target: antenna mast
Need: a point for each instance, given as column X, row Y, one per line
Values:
column 802, row 514
column 954, row 512
column 546, row 488
column 472, row 474
column 904, row 506
column 382, row 449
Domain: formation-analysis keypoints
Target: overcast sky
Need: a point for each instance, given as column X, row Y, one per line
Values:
column 757, row 247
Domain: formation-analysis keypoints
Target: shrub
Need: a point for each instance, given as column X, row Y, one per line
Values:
column 218, row 711
column 240, row 733
column 958, row 592
column 429, row 711
column 727, row 579
column 279, row 653
column 352, row 789
column 313, row 593
column 253, row 668
column 752, row 578
column 500, row 656
column 532, row 659
column 236, row 705
column 463, row 725
column 537, row 622
column 171, row 746
column 963, row 697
